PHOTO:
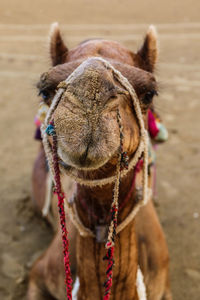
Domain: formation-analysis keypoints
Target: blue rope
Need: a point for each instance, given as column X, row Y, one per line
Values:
column 50, row 130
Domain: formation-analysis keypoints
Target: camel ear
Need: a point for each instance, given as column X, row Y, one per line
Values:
column 147, row 56
column 58, row 50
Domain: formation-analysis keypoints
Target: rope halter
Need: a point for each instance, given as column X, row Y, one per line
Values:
column 143, row 144
column 51, row 154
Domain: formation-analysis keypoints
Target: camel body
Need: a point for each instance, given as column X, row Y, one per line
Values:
column 142, row 242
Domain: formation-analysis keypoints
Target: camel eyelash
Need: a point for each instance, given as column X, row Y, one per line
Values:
column 148, row 97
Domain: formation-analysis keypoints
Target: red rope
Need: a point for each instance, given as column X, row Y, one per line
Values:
column 109, row 272
column 110, row 256
column 61, row 196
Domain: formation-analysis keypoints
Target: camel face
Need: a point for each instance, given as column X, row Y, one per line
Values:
column 86, row 118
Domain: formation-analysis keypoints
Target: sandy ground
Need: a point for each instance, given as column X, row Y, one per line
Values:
column 23, row 56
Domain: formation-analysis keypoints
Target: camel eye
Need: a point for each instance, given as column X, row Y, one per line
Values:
column 45, row 95
column 148, row 97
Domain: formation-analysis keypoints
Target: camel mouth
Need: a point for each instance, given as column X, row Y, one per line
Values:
column 83, row 162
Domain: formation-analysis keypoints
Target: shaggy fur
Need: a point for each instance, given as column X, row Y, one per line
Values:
column 86, row 128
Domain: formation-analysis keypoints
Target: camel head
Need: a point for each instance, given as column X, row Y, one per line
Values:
column 86, row 116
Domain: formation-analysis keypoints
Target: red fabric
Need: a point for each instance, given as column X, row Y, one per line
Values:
column 153, row 129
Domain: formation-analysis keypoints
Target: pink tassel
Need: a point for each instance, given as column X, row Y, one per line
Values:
column 153, row 129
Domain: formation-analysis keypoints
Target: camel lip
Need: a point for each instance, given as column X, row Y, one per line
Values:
column 64, row 165
column 81, row 168
column 68, row 165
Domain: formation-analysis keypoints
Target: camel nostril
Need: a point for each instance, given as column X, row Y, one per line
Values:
column 83, row 157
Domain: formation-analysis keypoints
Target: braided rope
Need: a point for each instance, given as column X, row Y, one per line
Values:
column 113, row 224
column 60, row 195
column 114, row 206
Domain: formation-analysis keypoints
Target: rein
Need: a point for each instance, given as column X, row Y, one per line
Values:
column 61, row 196
column 53, row 160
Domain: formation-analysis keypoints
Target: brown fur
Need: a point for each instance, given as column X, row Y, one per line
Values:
column 150, row 250
column 58, row 50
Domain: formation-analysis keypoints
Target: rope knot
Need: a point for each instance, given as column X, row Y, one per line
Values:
column 50, row 130
column 124, row 161
column 62, row 85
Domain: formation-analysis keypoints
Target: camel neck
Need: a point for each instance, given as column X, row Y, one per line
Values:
column 93, row 204
column 92, row 268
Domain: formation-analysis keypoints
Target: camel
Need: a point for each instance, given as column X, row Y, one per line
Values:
column 88, row 138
